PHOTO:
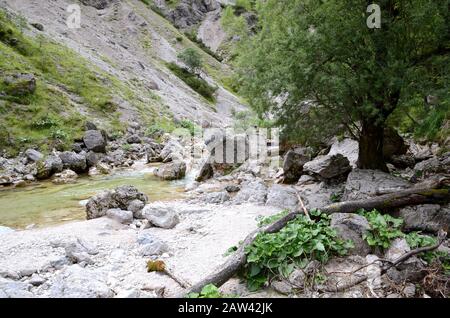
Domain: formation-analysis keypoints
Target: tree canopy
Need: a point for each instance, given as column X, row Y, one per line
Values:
column 192, row 59
column 353, row 77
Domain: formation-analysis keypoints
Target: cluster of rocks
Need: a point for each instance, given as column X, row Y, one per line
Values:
column 95, row 153
column 126, row 204
column 411, row 161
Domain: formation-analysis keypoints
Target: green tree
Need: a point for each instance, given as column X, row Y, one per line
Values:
column 353, row 77
column 192, row 59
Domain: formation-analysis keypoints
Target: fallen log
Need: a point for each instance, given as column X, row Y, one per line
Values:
column 433, row 191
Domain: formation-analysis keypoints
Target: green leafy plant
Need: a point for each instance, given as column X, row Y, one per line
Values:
column 209, row 291
column 336, row 197
column 417, row 240
column 278, row 254
column 192, row 59
column 383, row 229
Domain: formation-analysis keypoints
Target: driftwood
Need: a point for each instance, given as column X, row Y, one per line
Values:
column 434, row 190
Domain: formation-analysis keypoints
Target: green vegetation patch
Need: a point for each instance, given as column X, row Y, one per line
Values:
column 195, row 82
column 301, row 240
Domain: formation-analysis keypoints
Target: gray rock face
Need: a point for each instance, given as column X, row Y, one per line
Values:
column 151, row 245
column 33, row 155
column 433, row 165
column 121, row 216
column 252, row 192
column 328, row 167
column 45, row 169
column 352, row 227
column 73, row 161
column 282, row 197
column 190, row 12
column 349, row 148
column 363, row 184
column 94, row 140
column 426, row 218
column 98, row 4
column 171, row 152
column 77, row 282
column 171, row 171
column 161, row 215
column 293, row 164
column 120, row 198
column 20, row 84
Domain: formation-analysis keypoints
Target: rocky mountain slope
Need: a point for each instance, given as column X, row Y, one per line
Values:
column 126, row 45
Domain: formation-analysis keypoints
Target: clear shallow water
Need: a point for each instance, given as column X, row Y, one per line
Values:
column 46, row 204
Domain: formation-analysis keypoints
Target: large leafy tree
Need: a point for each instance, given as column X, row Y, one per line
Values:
column 353, row 76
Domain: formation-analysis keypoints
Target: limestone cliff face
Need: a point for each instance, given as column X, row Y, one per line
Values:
column 128, row 40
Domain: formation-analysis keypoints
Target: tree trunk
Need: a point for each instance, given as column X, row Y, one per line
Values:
column 371, row 146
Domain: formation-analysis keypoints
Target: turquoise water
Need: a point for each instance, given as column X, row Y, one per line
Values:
column 45, row 203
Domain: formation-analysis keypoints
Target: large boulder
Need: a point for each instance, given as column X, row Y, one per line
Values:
column 282, row 197
column 349, row 148
column 33, row 155
column 171, row 171
column 352, row 227
column 328, row 167
column 293, row 164
column 206, row 172
column 173, row 151
column 46, row 168
column 363, row 184
column 393, row 143
column 252, row 192
column 426, row 218
column 74, row 161
column 161, row 215
column 123, row 197
column 94, row 140
column 20, row 84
